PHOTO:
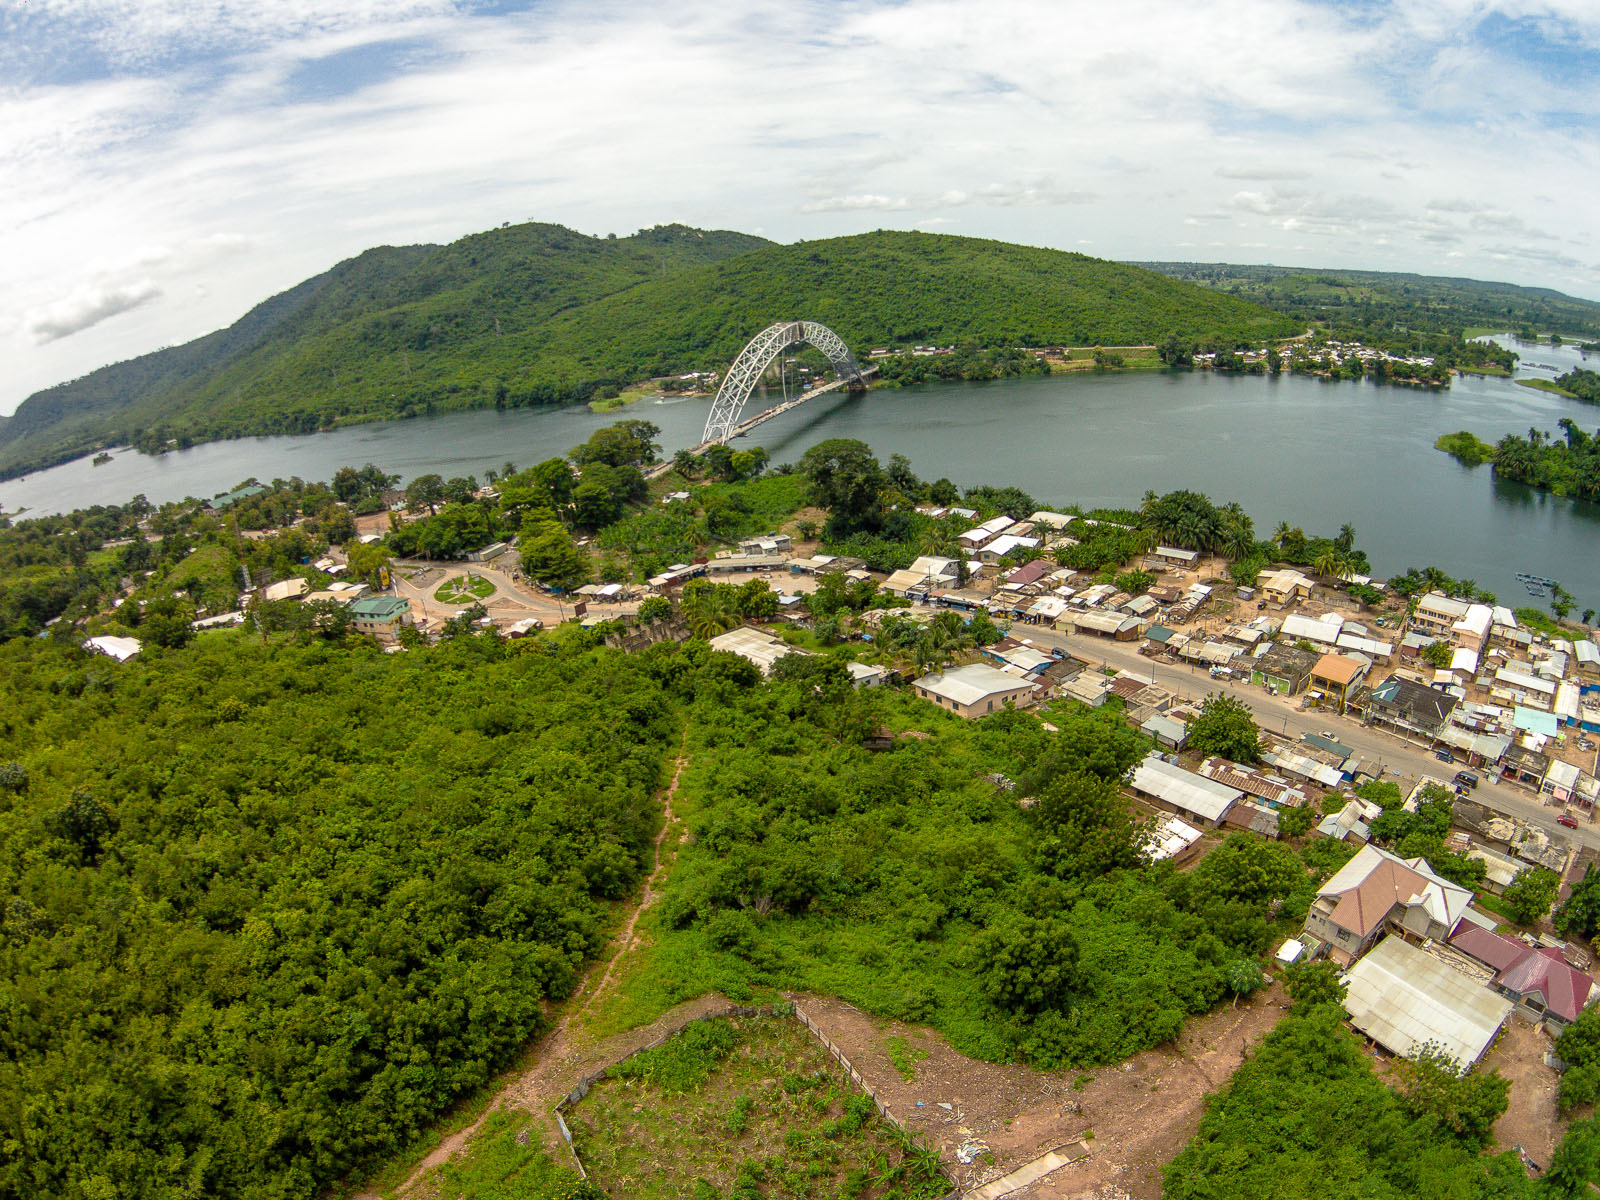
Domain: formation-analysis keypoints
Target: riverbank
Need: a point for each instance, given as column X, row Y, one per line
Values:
column 1099, row 438
column 1547, row 385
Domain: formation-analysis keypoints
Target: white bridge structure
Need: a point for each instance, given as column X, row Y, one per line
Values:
column 755, row 358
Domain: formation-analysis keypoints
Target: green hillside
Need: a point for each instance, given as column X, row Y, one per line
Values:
column 538, row 314
column 1379, row 299
column 891, row 288
column 300, row 360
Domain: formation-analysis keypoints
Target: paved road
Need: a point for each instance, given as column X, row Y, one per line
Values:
column 1405, row 762
column 510, row 601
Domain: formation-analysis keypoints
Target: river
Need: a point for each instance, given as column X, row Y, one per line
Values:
column 1312, row 453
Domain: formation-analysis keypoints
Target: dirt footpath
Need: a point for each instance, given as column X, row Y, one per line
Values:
column 1532, row 1120
column 565, row 1055
column 1132, row 1117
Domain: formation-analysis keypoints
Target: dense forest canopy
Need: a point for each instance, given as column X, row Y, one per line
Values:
column 266, row 910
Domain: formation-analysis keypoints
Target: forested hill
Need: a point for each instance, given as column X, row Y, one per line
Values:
column 1378, row 299
column 538, row 314
column 291, row 361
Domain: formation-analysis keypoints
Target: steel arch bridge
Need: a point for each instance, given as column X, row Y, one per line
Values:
column 754, row 359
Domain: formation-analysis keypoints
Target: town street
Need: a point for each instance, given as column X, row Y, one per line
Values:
column 1403, row 762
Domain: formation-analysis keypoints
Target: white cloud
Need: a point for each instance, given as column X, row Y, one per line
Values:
column 86, row 305
column 196, row 160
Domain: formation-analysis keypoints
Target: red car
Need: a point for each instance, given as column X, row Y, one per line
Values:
column 1567, row 819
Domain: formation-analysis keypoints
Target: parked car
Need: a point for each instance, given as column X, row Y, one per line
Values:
column 1467, row 779
column 1444, row 756
column 1329, row 734
column 1567, row 819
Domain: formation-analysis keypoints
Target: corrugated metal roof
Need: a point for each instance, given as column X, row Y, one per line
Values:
column 970, row 684
column 1184, row 789
column 1403, row 998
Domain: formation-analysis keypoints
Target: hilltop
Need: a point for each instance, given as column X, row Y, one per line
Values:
column 538, row 314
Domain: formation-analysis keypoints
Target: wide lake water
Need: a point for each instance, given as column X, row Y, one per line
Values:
column 1296, row 449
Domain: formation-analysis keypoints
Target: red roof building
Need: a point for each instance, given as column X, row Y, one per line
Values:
column 1539, row 979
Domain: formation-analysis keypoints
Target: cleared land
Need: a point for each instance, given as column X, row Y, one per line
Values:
column 1132, row 1117
column 742, row 1102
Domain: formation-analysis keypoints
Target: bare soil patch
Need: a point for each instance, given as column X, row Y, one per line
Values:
column 1532, row 1120
column 1133, row 1116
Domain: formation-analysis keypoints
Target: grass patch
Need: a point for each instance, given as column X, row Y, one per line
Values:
column 1478, row 331
column 1538, row 620
column 1485, row 369
column 1465, row 447
column 1492, row 903
column 630, row 396
column 506, row 1162
column 1548, row 385
column 747, row 1106
column 904, row 1057
column 463, row 589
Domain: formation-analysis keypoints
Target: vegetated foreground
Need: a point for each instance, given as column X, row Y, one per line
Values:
column 268, row 910
column 752, row 1104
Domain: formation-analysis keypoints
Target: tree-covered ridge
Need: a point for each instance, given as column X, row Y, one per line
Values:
column 1397, row 301
column 328, row 337
column 268, row 910
column 895, row 288
column 538, row 314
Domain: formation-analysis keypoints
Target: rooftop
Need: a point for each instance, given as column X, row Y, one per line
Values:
column 1404, row 998
column 1184, row 789
column 970, row 684
column 379, row 608
column 1336, row 668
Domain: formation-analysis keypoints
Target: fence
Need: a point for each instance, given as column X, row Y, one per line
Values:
column 581, row 1089
column 860, row 1081
column 588, row 1081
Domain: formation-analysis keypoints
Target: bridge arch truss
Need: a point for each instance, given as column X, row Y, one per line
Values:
column 756, row 357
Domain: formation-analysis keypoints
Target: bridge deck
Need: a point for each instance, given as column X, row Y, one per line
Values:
column 765, row 415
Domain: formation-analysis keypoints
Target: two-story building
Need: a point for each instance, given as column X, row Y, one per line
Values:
column 380, row 616
column 1337, row 676
column 1409, row 706
column 1376, row 891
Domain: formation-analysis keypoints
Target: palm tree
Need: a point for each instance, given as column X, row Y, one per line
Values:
column 1326, row 563
column 1236, row 532
column 709, row 610
column 1346, row 538
column 1281, row 533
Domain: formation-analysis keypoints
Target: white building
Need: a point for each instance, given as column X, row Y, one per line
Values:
column 973, row 691
column 119, row 648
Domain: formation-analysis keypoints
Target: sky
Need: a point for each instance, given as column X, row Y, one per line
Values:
column 168, row 164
